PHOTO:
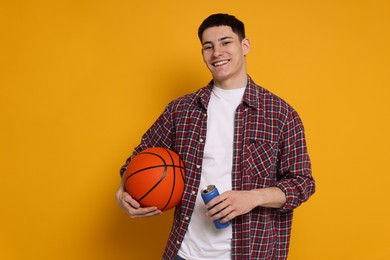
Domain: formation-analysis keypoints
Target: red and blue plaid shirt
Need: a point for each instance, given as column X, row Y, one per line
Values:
column 269, row 151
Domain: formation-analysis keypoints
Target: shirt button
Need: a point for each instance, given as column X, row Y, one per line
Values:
column 177, row 242
column 198, row 166
column 204, row 114
column 193, row 192
column 201, row 140
column 187, row 218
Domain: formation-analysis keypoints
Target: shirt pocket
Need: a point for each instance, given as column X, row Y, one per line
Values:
column 261, row 158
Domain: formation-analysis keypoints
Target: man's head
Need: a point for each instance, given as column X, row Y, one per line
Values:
column 220, row 20
column 224, row 50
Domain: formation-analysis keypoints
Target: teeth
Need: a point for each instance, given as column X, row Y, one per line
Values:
column 219, row 63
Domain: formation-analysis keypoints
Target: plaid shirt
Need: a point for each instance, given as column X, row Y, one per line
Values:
column 269, row 151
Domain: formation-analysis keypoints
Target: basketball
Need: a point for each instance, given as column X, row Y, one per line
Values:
column 155, row 177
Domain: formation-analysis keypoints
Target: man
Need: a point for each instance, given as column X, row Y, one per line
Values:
column 241, row 138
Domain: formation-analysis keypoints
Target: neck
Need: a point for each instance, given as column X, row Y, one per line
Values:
column 232, row 83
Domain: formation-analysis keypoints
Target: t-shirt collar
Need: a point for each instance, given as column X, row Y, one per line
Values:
column 250, row 98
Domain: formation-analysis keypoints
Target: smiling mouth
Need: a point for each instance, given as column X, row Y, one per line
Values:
column 220, row 63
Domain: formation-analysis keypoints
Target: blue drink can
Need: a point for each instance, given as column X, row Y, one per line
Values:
column 208, row 194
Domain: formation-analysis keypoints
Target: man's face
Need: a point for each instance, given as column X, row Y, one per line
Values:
column 224, row 53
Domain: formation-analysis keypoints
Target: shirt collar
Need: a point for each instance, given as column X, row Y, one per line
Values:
column 252, row 94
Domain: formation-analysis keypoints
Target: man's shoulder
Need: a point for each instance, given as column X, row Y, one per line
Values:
column 274, row 110
column 268, row 99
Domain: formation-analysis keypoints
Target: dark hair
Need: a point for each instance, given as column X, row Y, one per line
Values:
column 220, row 20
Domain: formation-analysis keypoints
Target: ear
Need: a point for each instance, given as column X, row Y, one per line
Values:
column 246, row 46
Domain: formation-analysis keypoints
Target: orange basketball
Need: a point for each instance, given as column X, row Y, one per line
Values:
column 155, row 177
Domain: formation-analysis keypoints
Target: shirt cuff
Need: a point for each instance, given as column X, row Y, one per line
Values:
column 292, row 200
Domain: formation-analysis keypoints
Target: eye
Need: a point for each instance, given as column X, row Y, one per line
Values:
column 207, row 47
column 226, row 43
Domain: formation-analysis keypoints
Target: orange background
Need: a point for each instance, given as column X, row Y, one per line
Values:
column 82, row 80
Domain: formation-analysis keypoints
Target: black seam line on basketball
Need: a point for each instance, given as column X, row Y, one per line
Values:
column 155, row 166
column 159, row 181
column 174, row 180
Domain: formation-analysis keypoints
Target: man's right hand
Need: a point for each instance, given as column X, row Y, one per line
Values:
column 131, row 206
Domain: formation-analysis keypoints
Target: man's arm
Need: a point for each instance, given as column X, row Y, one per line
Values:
column 295, row 183
column 158, row 135
column 294, row 171
column 236, row 203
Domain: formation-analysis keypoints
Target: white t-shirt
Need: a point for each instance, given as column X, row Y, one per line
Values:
column 202, row 240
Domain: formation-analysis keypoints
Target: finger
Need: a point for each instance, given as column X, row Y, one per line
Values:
column 216, row 200
column 137, row 211
column 124, row 200
column 217, row 208
column 224, row 213
column 134, row 209
column 227, row 218
column 145, row 212
column 129, row 200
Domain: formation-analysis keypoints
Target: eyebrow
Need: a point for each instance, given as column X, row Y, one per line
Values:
column 220, row 39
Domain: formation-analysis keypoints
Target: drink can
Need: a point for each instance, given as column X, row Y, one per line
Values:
column 208, row 194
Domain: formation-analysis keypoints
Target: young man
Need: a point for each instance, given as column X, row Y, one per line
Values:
column 241, row 138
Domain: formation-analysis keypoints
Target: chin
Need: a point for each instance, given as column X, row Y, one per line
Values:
column 220, row 75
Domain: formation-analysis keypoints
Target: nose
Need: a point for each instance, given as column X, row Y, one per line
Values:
column 217, row 51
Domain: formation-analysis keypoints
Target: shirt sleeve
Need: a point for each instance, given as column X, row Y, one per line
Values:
column 294, row 171
column 158, row 135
